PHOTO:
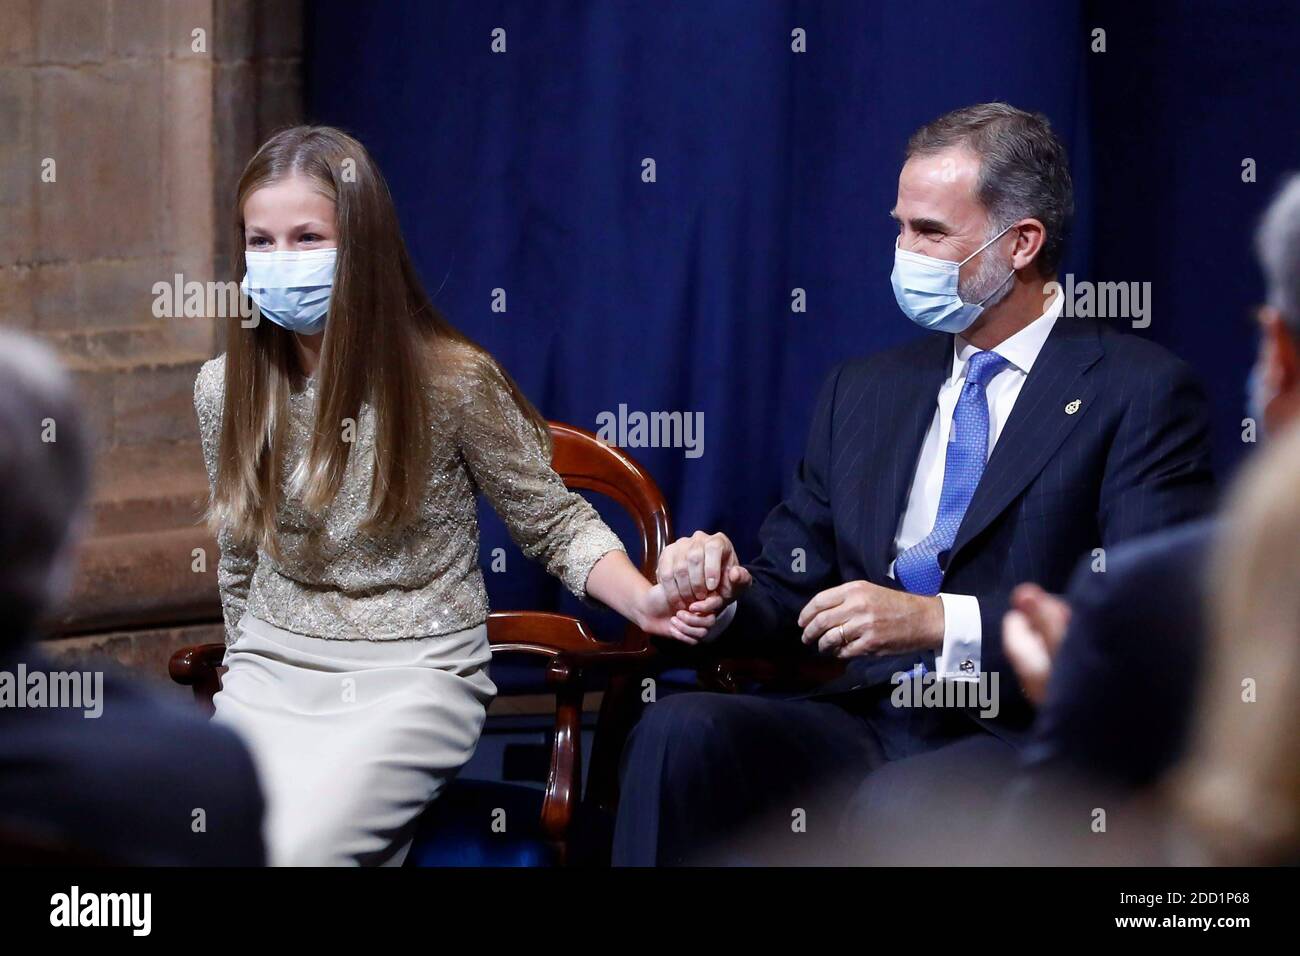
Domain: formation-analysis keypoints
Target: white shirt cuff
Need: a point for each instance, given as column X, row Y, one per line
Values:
column 721, row 624
column 962, row 632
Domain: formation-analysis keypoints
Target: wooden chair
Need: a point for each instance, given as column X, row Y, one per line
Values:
column 571, row 650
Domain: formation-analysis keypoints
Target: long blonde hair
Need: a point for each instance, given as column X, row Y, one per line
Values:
column 1240, row 787
column 383, row 342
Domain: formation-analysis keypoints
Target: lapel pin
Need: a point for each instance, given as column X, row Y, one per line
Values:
column 1074, row 406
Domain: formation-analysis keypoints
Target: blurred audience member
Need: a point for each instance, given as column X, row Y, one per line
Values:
column 1239, row 790
column 90, row 764
column 1131, row 630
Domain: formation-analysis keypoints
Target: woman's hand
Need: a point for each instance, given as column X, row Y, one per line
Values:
column 657, row 616
column 616, row 583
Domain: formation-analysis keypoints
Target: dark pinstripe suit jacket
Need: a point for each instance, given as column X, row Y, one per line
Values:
column 1134, row 458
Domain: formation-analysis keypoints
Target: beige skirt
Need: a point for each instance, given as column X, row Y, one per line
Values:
column 352, row 739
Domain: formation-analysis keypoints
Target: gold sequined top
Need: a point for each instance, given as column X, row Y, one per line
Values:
column 334, row 581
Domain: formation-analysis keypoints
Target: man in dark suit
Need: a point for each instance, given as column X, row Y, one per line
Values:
column 1118, row 706
column 91, row 766
column 936, row 477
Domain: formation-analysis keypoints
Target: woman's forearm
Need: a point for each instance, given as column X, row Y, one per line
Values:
column 615, row 582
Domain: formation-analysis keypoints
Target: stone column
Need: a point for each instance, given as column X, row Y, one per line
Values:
column 124, row 125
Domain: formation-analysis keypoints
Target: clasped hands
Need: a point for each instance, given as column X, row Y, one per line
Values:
column 700, row 575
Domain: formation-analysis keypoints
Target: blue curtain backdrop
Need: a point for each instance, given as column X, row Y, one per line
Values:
column 776, row 170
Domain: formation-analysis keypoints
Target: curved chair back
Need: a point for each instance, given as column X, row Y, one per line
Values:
column 585, row 462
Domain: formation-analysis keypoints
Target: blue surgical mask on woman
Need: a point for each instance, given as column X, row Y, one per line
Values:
column 926, row 289
column 292, row 289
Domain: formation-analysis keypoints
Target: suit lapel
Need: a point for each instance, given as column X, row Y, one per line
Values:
column 1038, row 424
column 908, row 398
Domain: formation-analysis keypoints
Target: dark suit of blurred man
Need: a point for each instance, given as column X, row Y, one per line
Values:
column 92, row 766
column 1118, row 710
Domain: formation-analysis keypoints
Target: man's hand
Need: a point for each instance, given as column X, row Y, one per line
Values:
column 860, row 618
column 695, row 568
column 1032, row 633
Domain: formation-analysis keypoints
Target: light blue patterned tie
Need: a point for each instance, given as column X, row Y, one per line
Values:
column 917, row 568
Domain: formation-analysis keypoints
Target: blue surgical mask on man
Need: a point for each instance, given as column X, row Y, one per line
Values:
column 926, row 289
column 292, row 288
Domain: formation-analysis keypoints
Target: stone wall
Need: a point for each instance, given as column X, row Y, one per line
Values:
column 124, row 125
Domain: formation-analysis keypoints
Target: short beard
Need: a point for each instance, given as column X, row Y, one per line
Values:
column 992, row 278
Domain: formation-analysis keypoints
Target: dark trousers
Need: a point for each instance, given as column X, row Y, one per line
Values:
column 712, row 778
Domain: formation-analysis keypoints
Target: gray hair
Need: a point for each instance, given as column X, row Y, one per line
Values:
column 44, row 478
column 1024, row 172
column 1277, row 243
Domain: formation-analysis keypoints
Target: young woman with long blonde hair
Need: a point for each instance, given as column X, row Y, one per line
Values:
column 345, row 440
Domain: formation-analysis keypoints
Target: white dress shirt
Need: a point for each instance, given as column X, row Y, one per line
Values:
column 960, row 657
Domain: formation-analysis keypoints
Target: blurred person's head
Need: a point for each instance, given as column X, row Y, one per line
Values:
column 1275, row 379
column 44, row 483
column 1240, row 787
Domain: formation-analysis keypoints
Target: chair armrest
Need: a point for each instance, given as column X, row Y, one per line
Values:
column 555, row 636
column 732, row 674
column 196, row 666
